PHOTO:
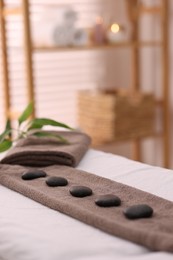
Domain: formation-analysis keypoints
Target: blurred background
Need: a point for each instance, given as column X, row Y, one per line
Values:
column 115, row 48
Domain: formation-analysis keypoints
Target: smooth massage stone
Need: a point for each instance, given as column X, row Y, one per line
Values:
column 80, row 191
column 55, row 181
column 33, row 174
column 108, row 200
column 138, row 211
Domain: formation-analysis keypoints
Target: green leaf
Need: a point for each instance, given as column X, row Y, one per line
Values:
column 5, row 135
column 26, row 113
column 46, row 134
column 8, row 125
column 5, row 145
column 40, row 122
column 33, row 125
column 6, row 132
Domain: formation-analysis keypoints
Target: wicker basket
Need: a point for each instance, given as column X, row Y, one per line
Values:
column 108, row 117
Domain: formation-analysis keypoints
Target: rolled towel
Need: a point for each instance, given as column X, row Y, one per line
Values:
column 63, row 35
column 49, row 34
column 44, row 151
column 80, row 37
column 54, row 27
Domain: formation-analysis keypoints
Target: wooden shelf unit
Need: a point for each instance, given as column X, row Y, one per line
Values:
column 134, row 12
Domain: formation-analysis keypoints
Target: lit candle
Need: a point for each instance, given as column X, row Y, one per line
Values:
column 115, row 34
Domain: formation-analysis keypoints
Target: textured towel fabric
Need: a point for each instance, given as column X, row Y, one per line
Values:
column 35, row 151
column 156, row 233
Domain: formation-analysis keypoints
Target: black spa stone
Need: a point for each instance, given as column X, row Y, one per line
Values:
column 108, row 200
column 33, row 174
column 138, row 211
column 55, row 181
column 80, row 191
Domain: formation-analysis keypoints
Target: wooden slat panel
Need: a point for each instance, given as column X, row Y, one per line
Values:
column 51, row 85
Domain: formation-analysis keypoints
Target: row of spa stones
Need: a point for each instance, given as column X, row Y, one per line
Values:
column 108, row 200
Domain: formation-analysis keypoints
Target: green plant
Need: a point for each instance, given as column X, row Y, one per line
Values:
column 23, row 130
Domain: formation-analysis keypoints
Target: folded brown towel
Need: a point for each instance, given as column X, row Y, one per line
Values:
column 36, row 151
column 156, row 233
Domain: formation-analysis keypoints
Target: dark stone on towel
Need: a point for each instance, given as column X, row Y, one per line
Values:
column 33, row 174
column 155, row 233
column 80, row 191
column 55, row 181
column 108, row 200
column 138, row 211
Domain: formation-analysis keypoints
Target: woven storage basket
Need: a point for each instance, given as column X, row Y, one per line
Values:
column 108, row 117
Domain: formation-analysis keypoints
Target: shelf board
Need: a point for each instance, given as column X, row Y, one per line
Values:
column 106, row 144
column 98, row 47
column 148, row 44
column 12, row 11
column 150, row 10
column 79, row 48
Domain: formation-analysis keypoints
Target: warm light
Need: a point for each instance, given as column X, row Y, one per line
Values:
column 115, row 28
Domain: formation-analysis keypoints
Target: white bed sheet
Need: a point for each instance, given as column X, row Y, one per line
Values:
column 31, row 231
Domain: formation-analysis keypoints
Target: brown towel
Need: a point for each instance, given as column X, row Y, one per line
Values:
column 156, row 233
column 35, row 151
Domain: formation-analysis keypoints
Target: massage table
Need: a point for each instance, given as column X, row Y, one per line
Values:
column 31, row 231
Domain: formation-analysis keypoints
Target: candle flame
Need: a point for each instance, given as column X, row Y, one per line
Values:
column 115, row 28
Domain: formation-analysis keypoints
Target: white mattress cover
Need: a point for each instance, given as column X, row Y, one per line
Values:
column 31, row 231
